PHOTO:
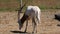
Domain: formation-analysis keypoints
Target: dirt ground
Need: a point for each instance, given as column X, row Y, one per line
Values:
column 48, row 25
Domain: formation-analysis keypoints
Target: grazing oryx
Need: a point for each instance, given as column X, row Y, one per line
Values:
column 32, row 12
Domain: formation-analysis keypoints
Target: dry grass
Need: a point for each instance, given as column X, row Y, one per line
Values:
column 15, row 4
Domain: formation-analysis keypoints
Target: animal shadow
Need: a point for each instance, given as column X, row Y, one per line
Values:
column 20, row 32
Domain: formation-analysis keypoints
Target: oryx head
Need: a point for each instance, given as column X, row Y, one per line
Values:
column 20, row 24
column 19, row 21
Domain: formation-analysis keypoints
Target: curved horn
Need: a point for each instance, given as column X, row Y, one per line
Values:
column 20, row 10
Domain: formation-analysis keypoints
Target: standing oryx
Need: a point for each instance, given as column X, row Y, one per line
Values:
column 32, row 12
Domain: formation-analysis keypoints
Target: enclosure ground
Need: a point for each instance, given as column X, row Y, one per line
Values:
column 48, row 25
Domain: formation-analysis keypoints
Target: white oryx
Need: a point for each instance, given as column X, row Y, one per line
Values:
column 32, row 12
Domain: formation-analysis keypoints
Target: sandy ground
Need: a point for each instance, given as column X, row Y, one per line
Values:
column 48, row 25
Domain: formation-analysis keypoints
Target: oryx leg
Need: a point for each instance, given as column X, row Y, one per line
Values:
column 34, row 26
column 38, row 18
column 26, row 25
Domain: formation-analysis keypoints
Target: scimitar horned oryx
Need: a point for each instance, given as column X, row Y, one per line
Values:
column 34, row 13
